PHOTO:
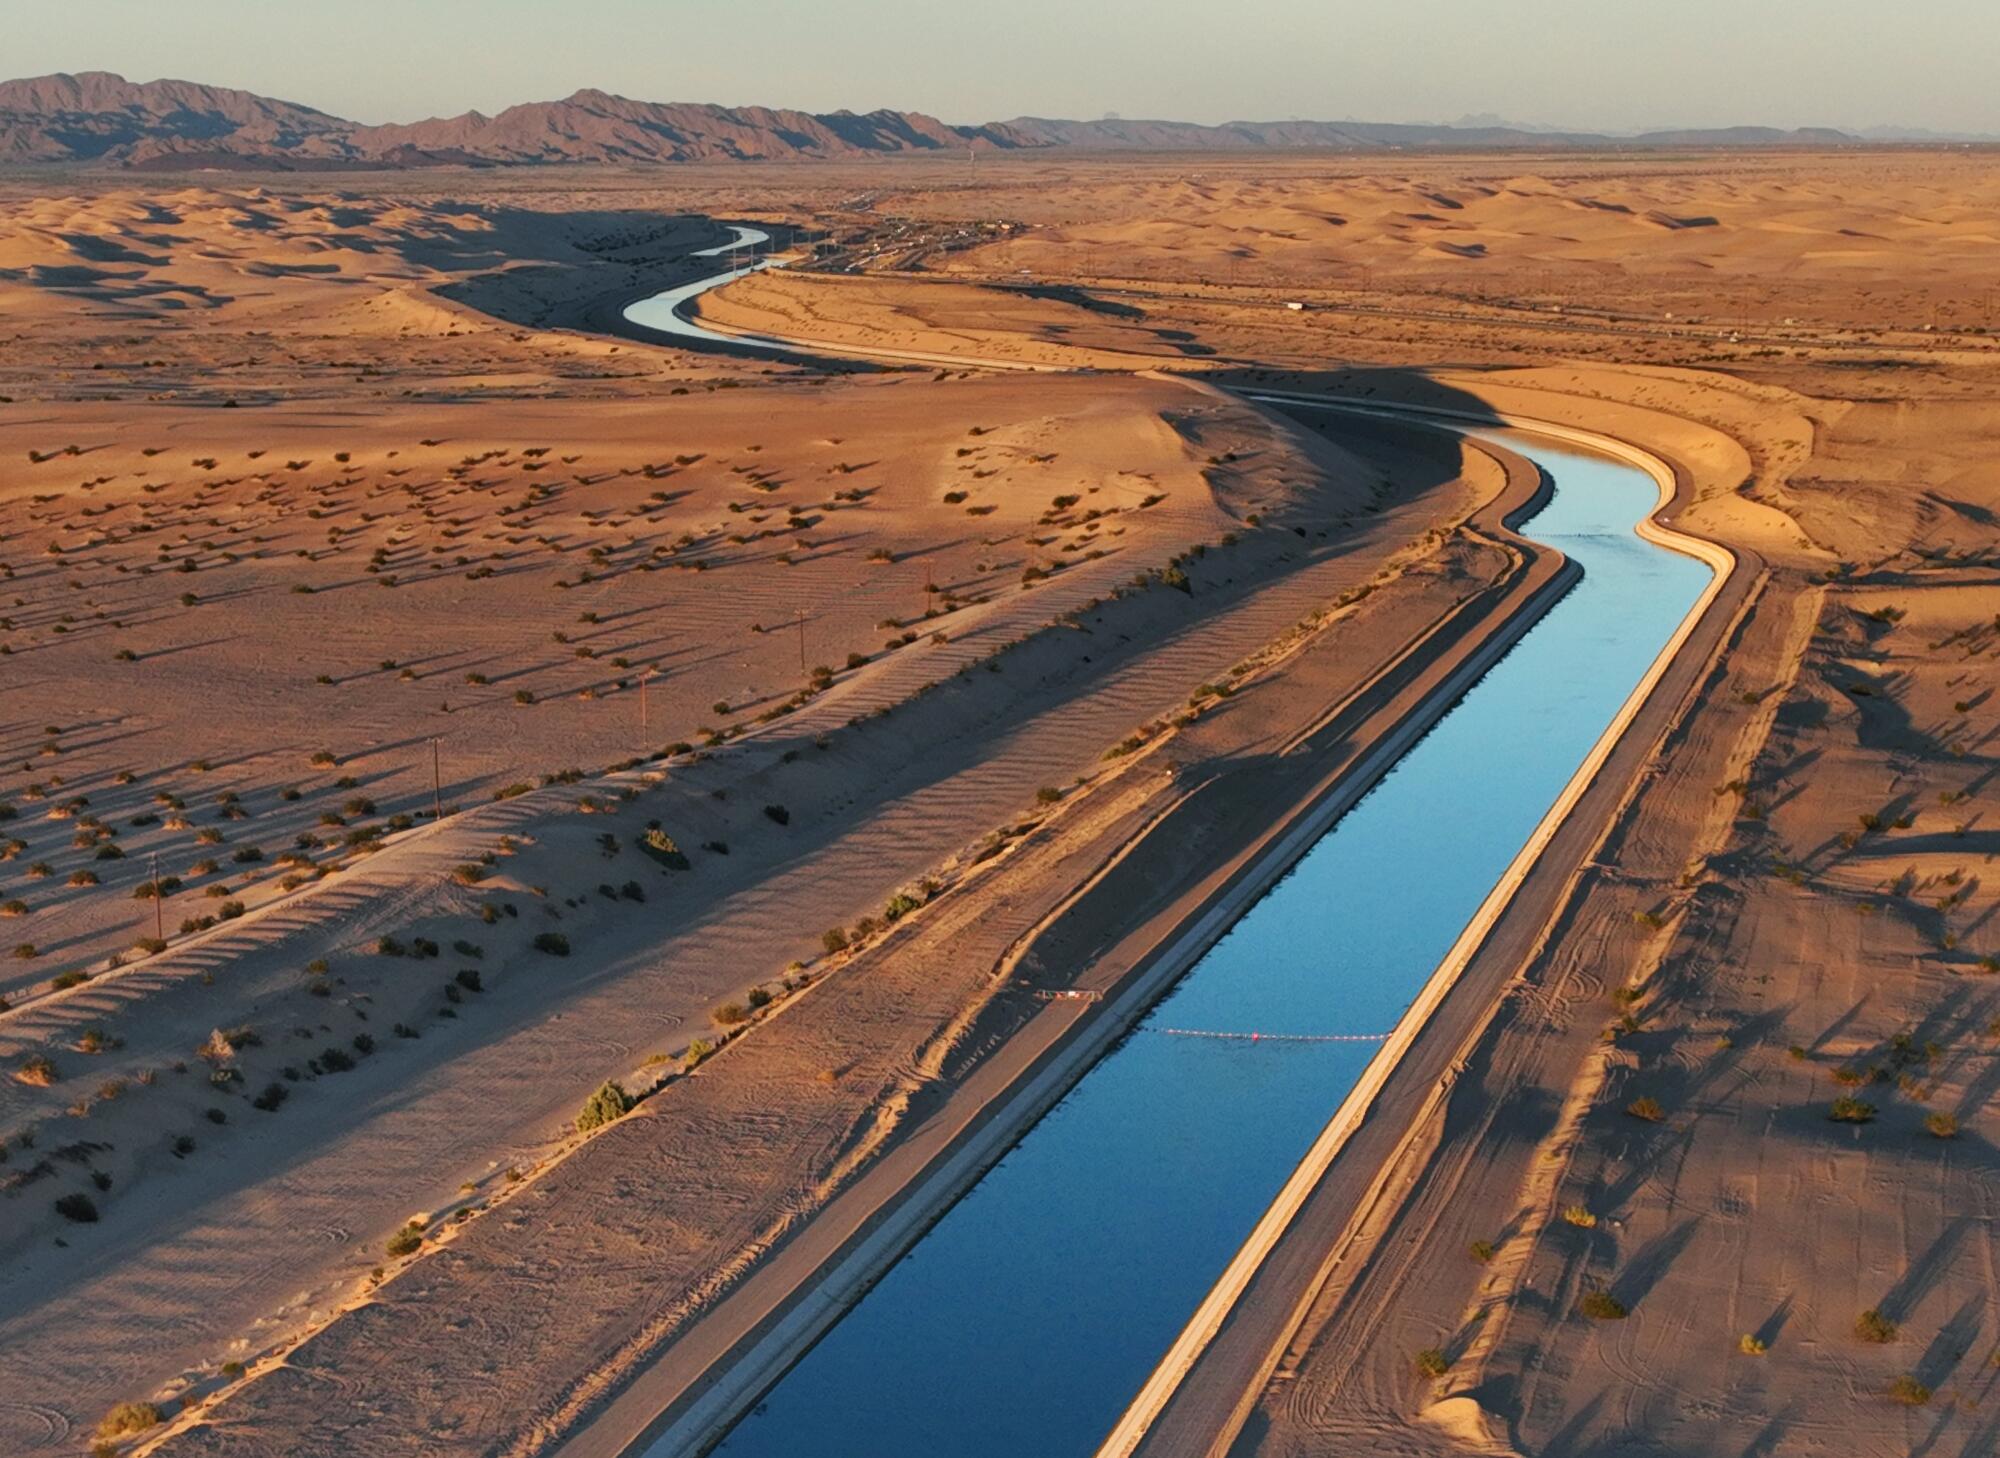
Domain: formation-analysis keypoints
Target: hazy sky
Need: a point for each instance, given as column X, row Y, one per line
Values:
column 1590, row 63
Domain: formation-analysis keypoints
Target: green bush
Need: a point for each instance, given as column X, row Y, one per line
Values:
column 1872, row 1326
column 407, row 1241
column 1432, row 1362
column 610, row 1102
column 1909, row 1392
column 554, row 943
column 1601, row 1305
column 660, row 846
column 128, row 1418
column 78, row 1208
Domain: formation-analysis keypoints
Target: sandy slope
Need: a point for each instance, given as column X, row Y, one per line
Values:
column 563, row 560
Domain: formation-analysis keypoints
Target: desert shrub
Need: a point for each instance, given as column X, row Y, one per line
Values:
column 1908, row 1391
column 779, row 814
column 1048, row 795
column 1872, row 1326
column 1647, row 1108
column 1432, row 1362
column 834, row 939
column 335, row 1060
column 757, row 997
column 1580, row 1217
column 657, row 844
column 731, row 1013
column 128, row 1418
column 554, row 943
column 77, row 1207
column 273, row 1095
column 610, row 1102
column 1481, row 1251
column 406, row 1241
column 1752, row 1345
column 1942, row 1126
column 900, row 905
column 468, row 874
column 468, row 978
column 390, row 947
column 1849, row 1110
column 1601, row 1305
column 37, row 1069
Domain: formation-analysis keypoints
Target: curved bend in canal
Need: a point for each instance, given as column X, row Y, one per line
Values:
column 1028, row 1317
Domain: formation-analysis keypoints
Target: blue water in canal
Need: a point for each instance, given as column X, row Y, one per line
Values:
column 1027, row 1319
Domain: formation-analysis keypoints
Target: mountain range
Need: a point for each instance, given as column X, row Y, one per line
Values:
column 100, row 119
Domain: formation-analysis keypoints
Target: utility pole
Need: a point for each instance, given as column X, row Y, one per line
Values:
column 437, row 783
column 799, row 614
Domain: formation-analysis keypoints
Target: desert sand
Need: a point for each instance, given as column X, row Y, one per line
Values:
column 1780, row 905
